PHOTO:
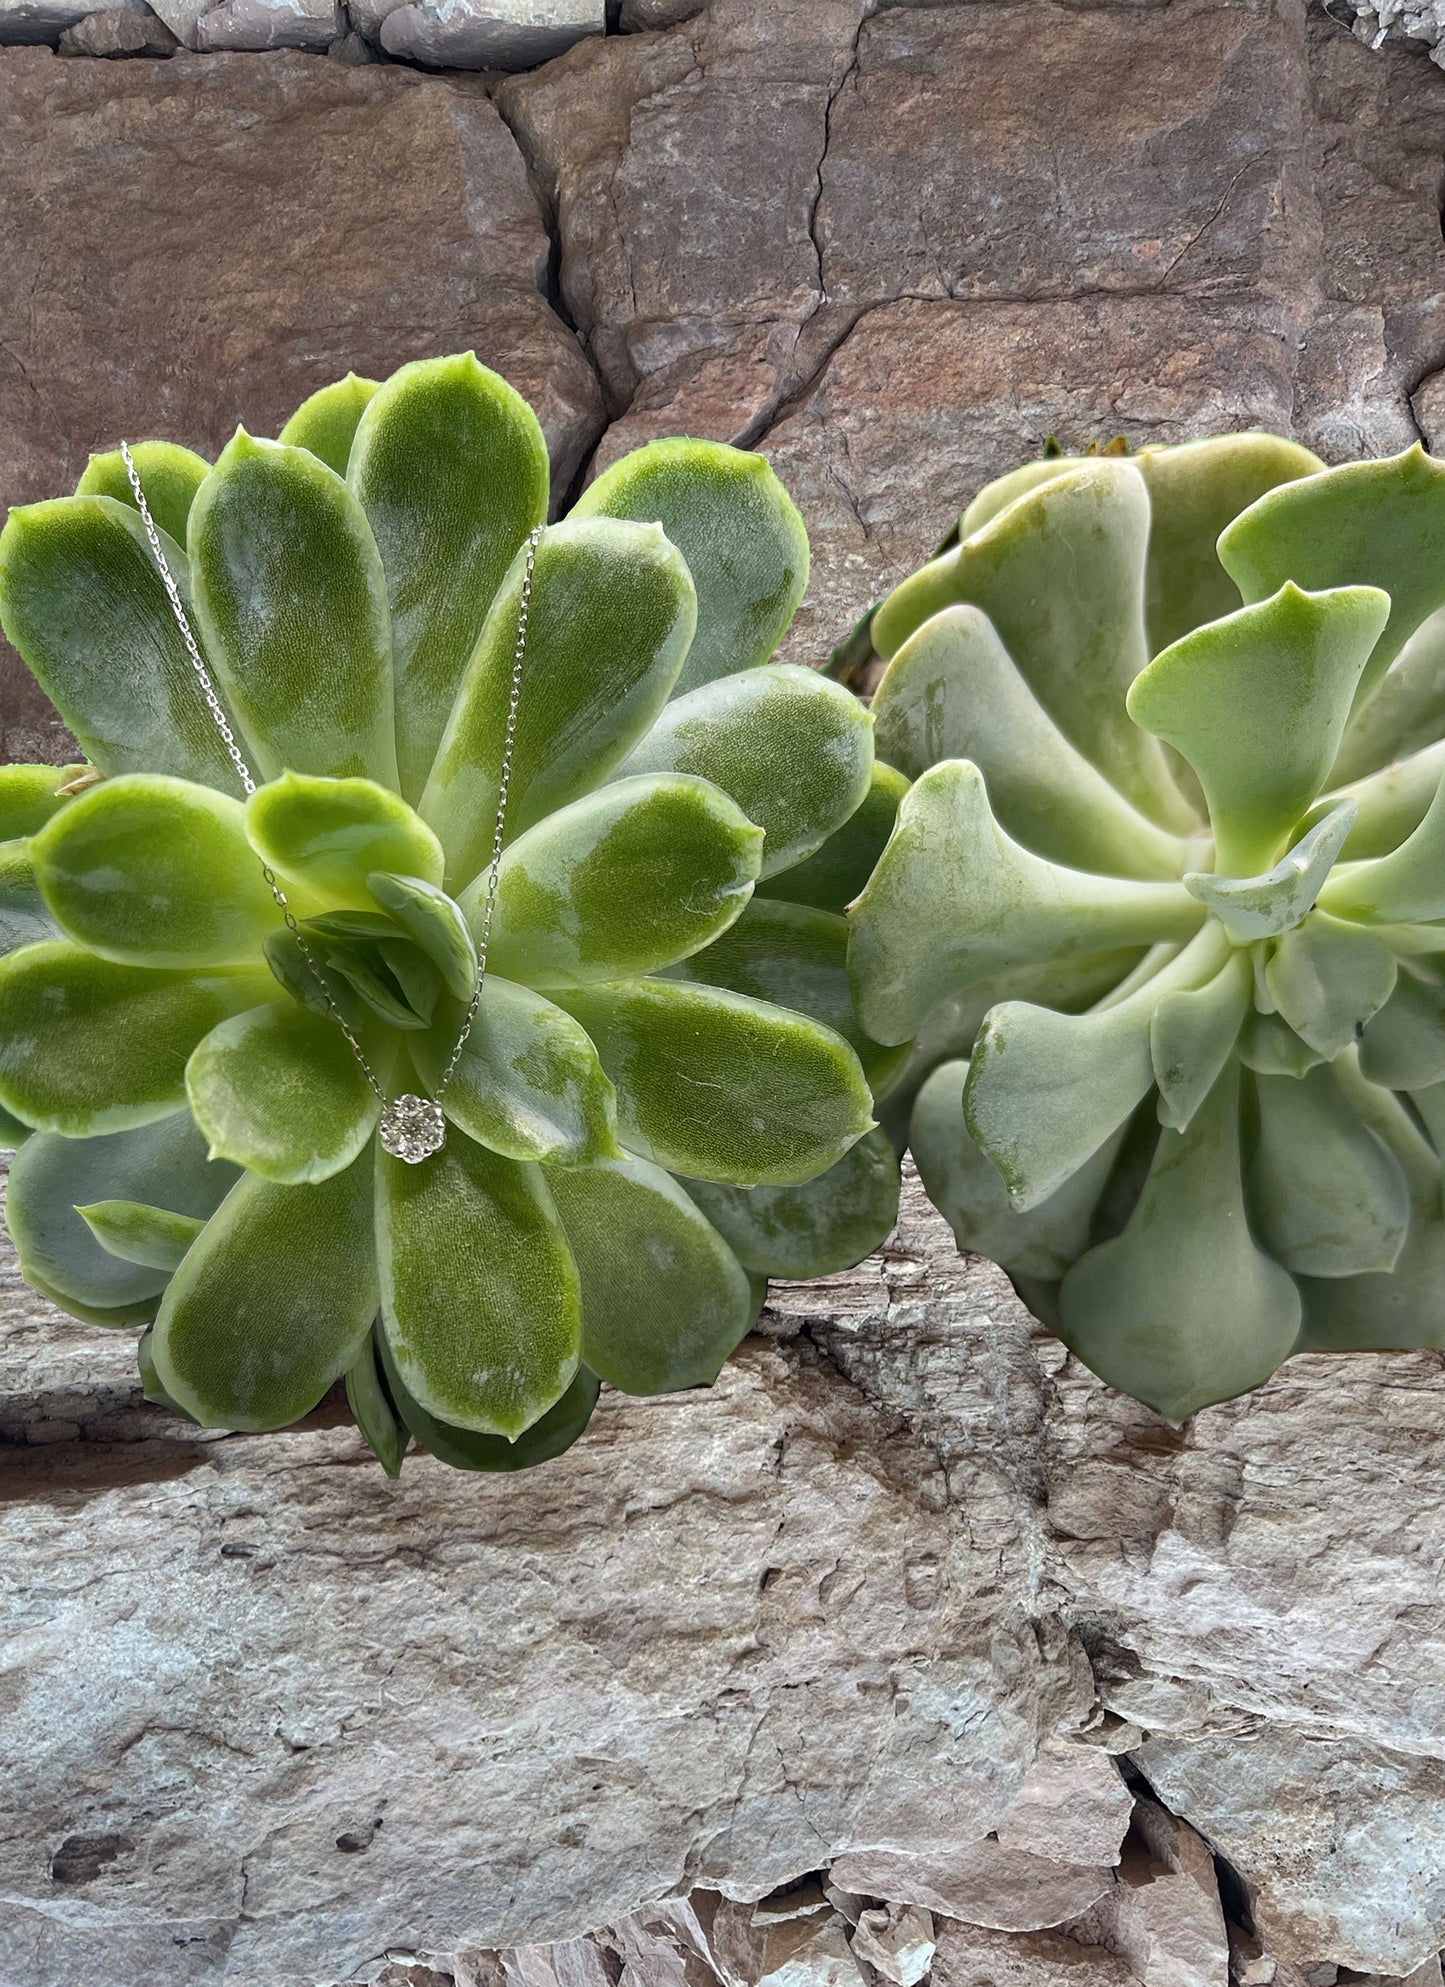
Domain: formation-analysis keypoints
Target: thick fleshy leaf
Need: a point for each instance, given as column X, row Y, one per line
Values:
column 968, row 1192
column 794, row 750
column 1195, row 490
column 1407, row 709
column 158, row 871
column 1045, row 1090
column 24, row 917
column 150, row 1381
column 295, row 973
column 1078, row 647
column 954, row 902
column 108, row 1317
column 135, row 1233
column 952, row 692
column 1376, row 524
column 1269, row 1045
column 1184, row 1308
column 1005, row 490
column 1390, row 804
column 1254, row 907
column 825, row 1225
column 1404, row 887
column 290, row 605
column 450, row 465
column 272, row 1303
column 162, row 1164
column 1257, row 704
column 721, row 1087
column 528, row 1082
column 169, row 476
column 796, row 958
column 481, row 1308
column 434, row 922
column 1403, row 1047
column 30, row 796
column 664, row 1299
column 367, row 973
column 612, row 613
column 736, row 526
column 383, row 1429
column 278, row 1090
column 831, row 879
column 1326, row 1196
column 81, row 599
column 326, row 422
column 1191, row 1037
column 1327, row 979
column 465, row 1449
column 89, row 1046
column 634, row 877
column 332, row 834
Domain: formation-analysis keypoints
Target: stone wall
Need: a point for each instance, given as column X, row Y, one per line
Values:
column 908, row 1600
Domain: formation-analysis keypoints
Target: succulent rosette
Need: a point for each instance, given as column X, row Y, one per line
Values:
column 1165, row 903
column 661, row 1100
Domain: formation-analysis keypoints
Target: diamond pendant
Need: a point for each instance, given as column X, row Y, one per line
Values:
column 413, row 1128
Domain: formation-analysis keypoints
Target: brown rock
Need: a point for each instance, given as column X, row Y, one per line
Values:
column 1163, row 1915
column 1072, row 1808
column 897, row 1941
column 969, row 1956
column 982, row 1883
column 119, row 31
column 142, row 325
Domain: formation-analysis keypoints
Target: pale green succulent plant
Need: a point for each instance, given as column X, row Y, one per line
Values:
column 1165, row 903
column 662, row 1100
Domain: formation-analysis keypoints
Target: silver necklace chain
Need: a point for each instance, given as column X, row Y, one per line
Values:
column 415, row 1124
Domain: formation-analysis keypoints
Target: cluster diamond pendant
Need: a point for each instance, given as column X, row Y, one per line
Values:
column 413, row 1128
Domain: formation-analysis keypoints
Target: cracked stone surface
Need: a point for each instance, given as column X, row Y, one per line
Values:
column 909, row 1625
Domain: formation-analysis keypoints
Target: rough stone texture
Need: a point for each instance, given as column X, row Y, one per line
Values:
column 119, row 31
column 487, row 34
column 207, row 246
column 258, row 24
column 888, row 1604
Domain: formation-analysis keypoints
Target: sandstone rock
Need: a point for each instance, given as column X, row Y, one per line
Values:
column 44, row 20
column 1340, row 1844
column 1163, row 1915
column 258, row 24
column 969, row 1956
column 119, row 31
column 488, row 34
column 897, row 1940
column 1007, row 1890
column 1072, row 1808
column 157, row 164
column 639, row 14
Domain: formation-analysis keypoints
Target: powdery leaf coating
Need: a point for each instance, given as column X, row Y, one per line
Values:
column 1223, row 1141
column 169, row 1057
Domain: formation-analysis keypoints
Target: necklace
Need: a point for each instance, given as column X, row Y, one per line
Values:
column 412, row 1128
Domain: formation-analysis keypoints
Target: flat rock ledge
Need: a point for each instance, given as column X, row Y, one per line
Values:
column 908, row 1651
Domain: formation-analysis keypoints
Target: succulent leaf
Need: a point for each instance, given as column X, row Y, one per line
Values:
column 466, row 1449
column 372, row 1409
column 1407, row 886
column 278, row 1091
column 1257, row 703
column 24, row 916
column 487, row 1339
column 528, row 1083
column 1327, row 979
column 612, row 614
column 1403, row 1045
column 136, row 1233
column 664, row 1300
column 88, row 1045
column 1327, row 1197
column 827, row 1224
column 831, row 879
column 291, row 610
column 1255, row 907
column 794, row 750
column 667, row 1046
column 304, row 1261
column 1078, row 647
column 952, row 691
column 155, row 870
column 737, row 528
column 633, row 878
column 1185, row 1305
column 326, row 421
column 81, row 599
column 169, row 475
column 436, row 924
column 331, row 835
column 163, row 1164
column 1376, row 524
column 30, row 796
column 450, row 466
column 954, row 901
column 1192, row 1034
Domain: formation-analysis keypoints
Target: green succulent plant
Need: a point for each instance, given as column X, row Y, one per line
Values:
column 663, row 1098
column 1165, row 902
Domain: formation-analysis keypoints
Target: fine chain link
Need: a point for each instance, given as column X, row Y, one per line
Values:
column 243, row 773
